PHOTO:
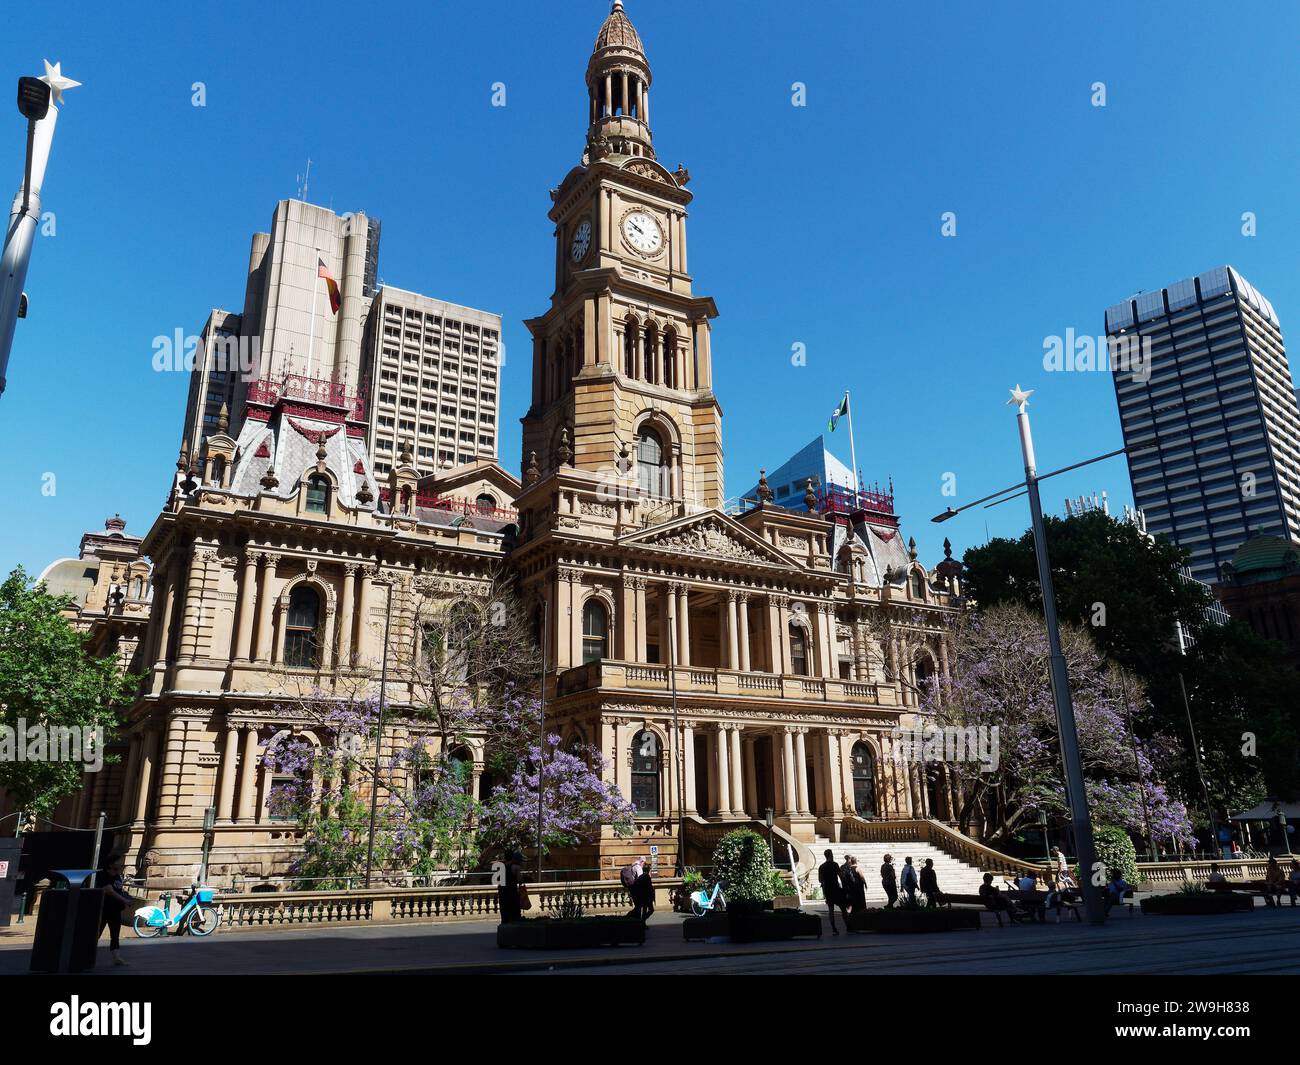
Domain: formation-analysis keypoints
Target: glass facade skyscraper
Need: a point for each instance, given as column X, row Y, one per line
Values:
column 1218, row 412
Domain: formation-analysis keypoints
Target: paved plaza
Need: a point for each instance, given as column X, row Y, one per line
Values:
column 1266, row 941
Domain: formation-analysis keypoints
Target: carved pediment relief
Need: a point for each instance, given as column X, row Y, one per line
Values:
column 713, row 536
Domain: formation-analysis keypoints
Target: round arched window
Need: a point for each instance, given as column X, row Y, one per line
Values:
column 318, row 495
column 650, row 465
column 486, row 503
column 595, row 631
column 864, row 780
column 798, row 650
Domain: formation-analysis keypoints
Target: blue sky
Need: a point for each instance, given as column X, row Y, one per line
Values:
column 817, row 225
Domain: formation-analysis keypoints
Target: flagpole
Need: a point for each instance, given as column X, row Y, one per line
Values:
column 853, row 454
column 315, row 293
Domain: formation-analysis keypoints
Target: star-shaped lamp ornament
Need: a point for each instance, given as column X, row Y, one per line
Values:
column 57, row 82
column 1020, row 396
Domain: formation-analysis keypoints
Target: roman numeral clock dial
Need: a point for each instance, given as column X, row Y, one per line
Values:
column 641, row 231
column 581, row 241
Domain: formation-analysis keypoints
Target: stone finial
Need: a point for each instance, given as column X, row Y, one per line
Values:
column 564, row 453
column 947, row 548
column 404, row 456
column 810, row 494
column 182, row 460
column 269, row 479
column 364, row 495
column 911, row 548
column 320, row 453
column 624, row 460
column 764, row 489
column 223, row 419
column 532, row 474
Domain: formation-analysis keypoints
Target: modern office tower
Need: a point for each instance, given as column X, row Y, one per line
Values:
column 432, row 371
column 1217, row 412
column 214, row 378
column 789, row 481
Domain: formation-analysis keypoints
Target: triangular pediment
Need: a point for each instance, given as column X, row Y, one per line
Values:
column 711, row 535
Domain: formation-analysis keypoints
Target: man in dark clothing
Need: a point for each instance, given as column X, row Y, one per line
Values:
column 993, row 899
column 643, row 893
column 828, row 875
column 930, row 884
column 508, row 889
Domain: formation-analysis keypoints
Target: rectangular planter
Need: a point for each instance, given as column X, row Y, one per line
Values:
column 1197, row 905
column 550, row 933
column 785, row 902
column 926, row 920
column 762, row 926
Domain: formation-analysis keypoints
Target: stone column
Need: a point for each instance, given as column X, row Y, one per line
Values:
column 826, row 640
column 742, row 608
column 724, row 777
column 783, row 632
column 248, row 777
column 229, row 766
column 173, row 759
column 346, row 616
column 688, row 767
column 642, row 620
column 667, row 615
column 733, row 635
column 627, row 620
column 247, row 594
column 144, row 786
column 774, row 634
column 168, row 602
column 564, row 622
column 683, row 626
column 129, row 772
column 787, row 765
column 265, row 604
column 737, row 777
column 192, row 607
column 801, row 771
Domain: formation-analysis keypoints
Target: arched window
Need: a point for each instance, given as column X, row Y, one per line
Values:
column 137, row 587
column 460, row 763
column 218, row 470
column 318, row 495
column 864, row 780
column 924, row 670
column 485, row 503
column 918, row 584
column 301, row 647
column 670, row 358
column 798, row 650
column 651, row 344
column 645, row 773
column 595, row 631
column 650, row 463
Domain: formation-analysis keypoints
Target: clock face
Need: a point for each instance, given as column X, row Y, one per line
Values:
column 641, row 230
column 581, row 241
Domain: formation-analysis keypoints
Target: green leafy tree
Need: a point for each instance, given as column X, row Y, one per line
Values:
column 47, row 680
column 1115, row 850
column 743, row 862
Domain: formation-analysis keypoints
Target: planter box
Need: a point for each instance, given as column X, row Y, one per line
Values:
column 759, row 926
column 785, row 902
column 925, row 920
column 550, row 933
column 1197, row 905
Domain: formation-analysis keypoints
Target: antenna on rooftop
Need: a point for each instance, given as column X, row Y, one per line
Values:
column 303, row 181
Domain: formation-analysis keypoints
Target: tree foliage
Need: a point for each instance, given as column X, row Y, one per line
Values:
column 48, row 680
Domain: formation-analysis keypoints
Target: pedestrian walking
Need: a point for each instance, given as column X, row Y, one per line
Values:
column 855, row 885
column 1275, row 884
column 828, row 875
column 511, row 892
column 889, row 881
column 930, row 884
column 1063, row 877
column 643, row 892
column 116, row 901
column 908, row 882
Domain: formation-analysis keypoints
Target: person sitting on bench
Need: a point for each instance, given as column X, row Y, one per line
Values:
column 1116, row 889
column 993, row 899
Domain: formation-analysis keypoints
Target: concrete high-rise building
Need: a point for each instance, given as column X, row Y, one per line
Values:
column 432, row 372
column 1217, row 411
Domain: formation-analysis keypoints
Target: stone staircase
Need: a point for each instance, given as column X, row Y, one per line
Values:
column 955, row 877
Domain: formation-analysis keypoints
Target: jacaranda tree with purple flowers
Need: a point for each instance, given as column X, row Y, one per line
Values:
column 1000, row 677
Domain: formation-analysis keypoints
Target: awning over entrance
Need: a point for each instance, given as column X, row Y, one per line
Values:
column 1269, row 809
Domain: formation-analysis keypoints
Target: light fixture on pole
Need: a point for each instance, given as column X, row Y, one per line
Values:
column 1041, row 821
column 1093, row 903
column 36, row 100
column 379, row 729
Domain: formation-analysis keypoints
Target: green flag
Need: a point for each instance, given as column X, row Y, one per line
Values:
column 840, row 411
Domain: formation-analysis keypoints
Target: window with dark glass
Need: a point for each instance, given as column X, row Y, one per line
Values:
column 645, row 773
column 301, row 646
column 595, row 631
column 650, row 463
column 486, row 503
column 918, row 585
column 318, row 495
column 798, row 651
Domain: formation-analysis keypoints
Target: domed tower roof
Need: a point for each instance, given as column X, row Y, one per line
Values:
column 618, row 32
column 618, row 87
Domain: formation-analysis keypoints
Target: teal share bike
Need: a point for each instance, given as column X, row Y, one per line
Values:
column 197, row 915
column 703, row 902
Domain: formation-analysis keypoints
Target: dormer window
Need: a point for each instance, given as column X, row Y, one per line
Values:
column 318, row 495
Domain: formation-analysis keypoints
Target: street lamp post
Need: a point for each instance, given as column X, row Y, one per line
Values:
column 379, row 732
column 1093, row 904
column 36, row 100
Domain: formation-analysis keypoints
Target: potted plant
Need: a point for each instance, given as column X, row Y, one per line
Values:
column 1193, row 900
column 692, row 881
column 784, row 896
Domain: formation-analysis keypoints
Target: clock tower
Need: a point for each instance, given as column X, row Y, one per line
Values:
column 622, row 377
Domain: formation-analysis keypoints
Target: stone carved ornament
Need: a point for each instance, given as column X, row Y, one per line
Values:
column 709, row 539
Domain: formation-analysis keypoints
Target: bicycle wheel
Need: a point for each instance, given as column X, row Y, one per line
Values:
column 144, row 929
column 203, row 921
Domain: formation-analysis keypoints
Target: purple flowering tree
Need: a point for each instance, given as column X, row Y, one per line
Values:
column 1000, row 677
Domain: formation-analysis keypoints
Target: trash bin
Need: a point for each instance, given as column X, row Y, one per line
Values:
column 11, row 851
column 67, row 927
